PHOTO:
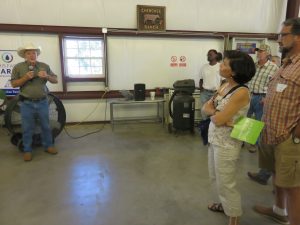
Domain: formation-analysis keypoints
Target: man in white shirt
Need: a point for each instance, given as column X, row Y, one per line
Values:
column 210, row 79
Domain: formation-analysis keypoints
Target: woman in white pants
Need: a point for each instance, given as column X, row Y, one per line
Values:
column 229, row 103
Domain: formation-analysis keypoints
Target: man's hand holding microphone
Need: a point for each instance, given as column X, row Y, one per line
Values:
column 31, row 74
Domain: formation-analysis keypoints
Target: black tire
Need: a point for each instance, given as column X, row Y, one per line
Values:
column 16, row 139
column 57, row 114
column 20, row 146
column 12, row 116
column 58, row 122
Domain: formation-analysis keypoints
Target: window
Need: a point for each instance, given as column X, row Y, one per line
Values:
column 83, row 57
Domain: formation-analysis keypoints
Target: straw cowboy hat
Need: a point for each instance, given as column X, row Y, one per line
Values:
column 21, row 51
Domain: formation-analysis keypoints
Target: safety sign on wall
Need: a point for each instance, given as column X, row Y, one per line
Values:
column 178, row 61
column 9, row 59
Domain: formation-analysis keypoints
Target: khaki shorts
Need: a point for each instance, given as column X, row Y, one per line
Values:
column 284, row 159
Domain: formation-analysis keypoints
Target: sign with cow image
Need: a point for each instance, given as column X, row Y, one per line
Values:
column 151, row 18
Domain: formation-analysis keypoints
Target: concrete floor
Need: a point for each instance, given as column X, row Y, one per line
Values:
column 137, row 175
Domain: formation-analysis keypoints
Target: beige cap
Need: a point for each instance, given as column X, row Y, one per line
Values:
column 264, row 47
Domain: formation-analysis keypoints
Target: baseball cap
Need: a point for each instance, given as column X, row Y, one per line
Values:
column 264, row 47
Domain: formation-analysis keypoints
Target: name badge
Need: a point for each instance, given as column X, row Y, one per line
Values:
column 280, row 87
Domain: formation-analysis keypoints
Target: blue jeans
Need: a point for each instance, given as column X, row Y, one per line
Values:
column 256, row 107
column 32, row 111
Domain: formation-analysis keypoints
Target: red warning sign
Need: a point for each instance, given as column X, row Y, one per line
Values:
column 182, row 58
column 173, row 61
column 173, row 58
column 181, row 63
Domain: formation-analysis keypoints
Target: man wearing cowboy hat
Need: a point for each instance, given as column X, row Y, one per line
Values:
column 31, row 76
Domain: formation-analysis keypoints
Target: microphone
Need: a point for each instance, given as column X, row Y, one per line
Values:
column 31, row 68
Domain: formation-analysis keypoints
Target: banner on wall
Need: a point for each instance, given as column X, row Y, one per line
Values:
column 248, row 48
column 9, row 58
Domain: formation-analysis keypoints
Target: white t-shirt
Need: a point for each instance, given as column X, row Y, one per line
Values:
column 211, row 76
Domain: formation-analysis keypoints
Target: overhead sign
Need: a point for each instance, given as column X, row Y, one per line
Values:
column 151, row 18
column 9, row 58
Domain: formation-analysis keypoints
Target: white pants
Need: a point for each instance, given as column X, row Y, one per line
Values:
column 222, row 167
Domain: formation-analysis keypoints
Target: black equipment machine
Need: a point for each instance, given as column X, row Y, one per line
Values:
column 182, row 105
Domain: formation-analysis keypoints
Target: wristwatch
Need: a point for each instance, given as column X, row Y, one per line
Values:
column 296, row 140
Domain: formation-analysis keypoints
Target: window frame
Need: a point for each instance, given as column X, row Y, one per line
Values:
column 65, row 76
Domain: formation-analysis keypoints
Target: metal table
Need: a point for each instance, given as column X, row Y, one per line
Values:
column 160, row 112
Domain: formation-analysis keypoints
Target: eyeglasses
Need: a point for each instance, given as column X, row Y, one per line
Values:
column 281, row 35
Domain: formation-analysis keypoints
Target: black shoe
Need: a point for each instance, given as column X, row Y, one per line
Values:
column 256, row 178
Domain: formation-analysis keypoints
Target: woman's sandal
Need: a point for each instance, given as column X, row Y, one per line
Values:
column 216, row 207
column 234, row 220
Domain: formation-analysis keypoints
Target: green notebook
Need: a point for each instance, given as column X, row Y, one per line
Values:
column 247, row 129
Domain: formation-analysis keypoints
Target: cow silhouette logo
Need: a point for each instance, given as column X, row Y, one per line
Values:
column 151, row 18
